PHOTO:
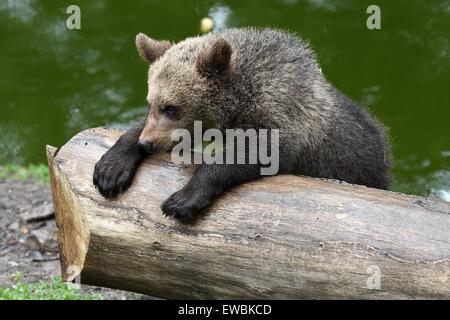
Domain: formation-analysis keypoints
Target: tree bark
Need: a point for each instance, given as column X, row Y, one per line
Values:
column 281, row 237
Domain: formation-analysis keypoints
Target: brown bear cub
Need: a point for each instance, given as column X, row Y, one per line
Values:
column 247, row 79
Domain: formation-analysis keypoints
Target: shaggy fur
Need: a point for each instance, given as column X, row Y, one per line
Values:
column 247, row 78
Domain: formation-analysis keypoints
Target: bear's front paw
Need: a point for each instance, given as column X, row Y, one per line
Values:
column 112, row 177
column 184, row 205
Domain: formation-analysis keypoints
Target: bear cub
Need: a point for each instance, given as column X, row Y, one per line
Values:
column 246, row 79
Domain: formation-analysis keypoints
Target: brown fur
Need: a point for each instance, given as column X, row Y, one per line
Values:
column 247, row 78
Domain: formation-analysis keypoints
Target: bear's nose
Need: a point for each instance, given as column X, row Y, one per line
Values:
column 145, row 144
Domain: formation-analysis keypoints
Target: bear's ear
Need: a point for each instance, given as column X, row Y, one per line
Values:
column 150, row 50
column 216, row 59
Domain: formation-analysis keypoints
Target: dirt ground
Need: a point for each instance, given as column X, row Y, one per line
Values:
column 28, row 237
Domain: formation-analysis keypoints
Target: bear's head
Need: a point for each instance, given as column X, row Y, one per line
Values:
column 184, row 82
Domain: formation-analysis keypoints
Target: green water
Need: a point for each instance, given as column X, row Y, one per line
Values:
column 55, row 82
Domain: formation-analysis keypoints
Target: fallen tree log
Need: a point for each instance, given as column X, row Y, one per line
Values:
column 280, row 237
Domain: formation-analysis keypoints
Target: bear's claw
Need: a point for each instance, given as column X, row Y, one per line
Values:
column 184, row 205
column 112, row 177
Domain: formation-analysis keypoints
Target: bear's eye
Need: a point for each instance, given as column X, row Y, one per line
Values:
column 170, row 111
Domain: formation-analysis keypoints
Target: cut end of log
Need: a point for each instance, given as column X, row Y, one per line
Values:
column 73, row 232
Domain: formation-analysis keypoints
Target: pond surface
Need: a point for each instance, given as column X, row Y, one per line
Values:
column 55, row 82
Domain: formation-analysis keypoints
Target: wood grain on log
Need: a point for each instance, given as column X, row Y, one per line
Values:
column 280, row 237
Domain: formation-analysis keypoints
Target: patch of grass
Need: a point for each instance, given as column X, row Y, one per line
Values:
column 35, row 172
column 44, row 290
